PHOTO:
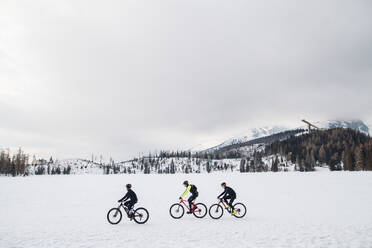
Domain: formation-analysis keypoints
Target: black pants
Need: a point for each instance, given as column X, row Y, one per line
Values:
column 191, row 199
column 231, row 198
column 130, row 204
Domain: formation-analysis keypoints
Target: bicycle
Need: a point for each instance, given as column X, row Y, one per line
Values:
column 177, row 210
column 216, row 210
column 140, row 215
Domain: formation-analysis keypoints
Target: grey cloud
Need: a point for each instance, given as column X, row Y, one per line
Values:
column 125, row 77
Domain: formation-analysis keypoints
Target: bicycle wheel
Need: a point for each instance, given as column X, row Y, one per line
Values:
column 241, row 210
column 114, row 216
column 141, row 215
column 216, row 211
column 200, row 210
column 176, row 211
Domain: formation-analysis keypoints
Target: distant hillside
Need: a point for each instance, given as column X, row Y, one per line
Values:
column 144, row 165
column 238, row 150
column 256, row 133
column 357, row 125
column 252, row 134
column 339, row 148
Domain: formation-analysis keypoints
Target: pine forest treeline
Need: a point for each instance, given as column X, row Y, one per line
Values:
column 13, row 165
column 338, row 148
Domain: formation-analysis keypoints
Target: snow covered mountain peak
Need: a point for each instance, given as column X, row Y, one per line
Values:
column 255, row 133
column 353, row 124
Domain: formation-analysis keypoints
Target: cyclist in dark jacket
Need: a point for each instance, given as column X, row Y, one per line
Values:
column 131, row 196
column 228, row 194
column 194, row 193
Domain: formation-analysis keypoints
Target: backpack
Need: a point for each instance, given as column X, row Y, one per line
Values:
column 193, row 189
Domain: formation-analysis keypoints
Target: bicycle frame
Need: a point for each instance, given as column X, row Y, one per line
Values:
column 124, row 207
column 222, row 202
column 196, row 209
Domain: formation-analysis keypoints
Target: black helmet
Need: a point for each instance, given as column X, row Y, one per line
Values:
column 222, row 184
column 129, row 185
column 186, row 182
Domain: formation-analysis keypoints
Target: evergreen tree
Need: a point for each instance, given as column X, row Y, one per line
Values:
column 359, row 158
column 208, row 167
column 297, row 164
column 346, row 159
column 242, row 165
column 274, row 166
column 322, row 154
column 172, row 167
column 368, row 156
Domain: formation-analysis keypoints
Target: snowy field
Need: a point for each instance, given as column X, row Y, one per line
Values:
column 320, row 209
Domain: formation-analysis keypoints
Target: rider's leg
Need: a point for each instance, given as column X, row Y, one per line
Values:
column 130, row 205
column 190, row 200
column 232, row 199
column 225, row 200
column 127, row 204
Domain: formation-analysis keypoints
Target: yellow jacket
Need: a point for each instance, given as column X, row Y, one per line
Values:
column 186, row 191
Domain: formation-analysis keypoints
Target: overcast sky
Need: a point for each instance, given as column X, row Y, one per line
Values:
column 121, row 77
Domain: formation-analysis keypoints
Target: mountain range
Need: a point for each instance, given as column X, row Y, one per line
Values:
column 260, row 132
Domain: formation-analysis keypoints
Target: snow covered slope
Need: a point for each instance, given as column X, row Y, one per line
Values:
column 73, row 166
column 270, row 130
column 159, row 166
column 353, row 124
column 327, row 209
column 252, row 134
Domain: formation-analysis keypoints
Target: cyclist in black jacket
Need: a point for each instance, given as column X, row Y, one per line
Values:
column 228, row 194
column 131, row 196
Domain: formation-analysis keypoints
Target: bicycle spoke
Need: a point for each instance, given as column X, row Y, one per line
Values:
column 114, row 216
column 176, row 211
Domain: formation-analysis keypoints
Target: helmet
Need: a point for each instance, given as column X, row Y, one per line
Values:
column 129, row 185
column 222, row 184
column 186, row 182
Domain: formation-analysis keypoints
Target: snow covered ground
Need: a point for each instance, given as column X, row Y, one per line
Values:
column 320, row 209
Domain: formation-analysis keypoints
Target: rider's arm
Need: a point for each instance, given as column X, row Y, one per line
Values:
column 224, row 192
column 125, row 197
column 186, row 191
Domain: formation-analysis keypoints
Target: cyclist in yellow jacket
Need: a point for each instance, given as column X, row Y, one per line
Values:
column 194, row 193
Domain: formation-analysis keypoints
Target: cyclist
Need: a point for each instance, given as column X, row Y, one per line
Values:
column 132, row 199
column 228, row 194
column 194, row 193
